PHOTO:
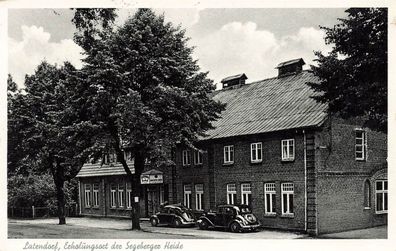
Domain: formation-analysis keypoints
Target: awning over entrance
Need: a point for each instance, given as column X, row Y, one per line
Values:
column 152, row 176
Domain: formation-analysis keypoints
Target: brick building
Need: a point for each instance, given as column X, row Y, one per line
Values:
column 275, row 149
column 279, row 151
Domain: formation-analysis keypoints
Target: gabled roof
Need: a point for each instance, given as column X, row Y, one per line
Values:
column 152, row 172
column 269, row 105
column 293, row 61
column 91, row 170
column 234, row 77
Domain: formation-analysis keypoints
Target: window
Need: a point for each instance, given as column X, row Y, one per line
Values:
column 105, row 159
column 187, row 196
column 381, row 196
column 128, row 155
column 288, row 149
column 231, row 194
column 367, row 193
column 87, row 191
column 360, row 145
column 113, row 192
column 128, row 195
column 186, row 158
column 229, row 154
column 96, row 195
column 269, row 197
column 197, row 158
column 112, row 157
column 256, row 152
column 198, row 196
column 246, row 192
column 287, row 198
column 121, row 195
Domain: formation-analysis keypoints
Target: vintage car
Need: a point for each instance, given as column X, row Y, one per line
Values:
column 235, row 218
column 173, row 215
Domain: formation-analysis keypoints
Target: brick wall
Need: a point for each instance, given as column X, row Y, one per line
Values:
column 191, row 175
column 272, row 169
column 341, row 178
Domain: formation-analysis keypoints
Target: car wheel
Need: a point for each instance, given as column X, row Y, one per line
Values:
column 235, row 227
column 154, row 222
column 177, row 223
column 203, row 225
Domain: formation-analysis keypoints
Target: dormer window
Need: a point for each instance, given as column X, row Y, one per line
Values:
column 290, row 67
column 236, row 80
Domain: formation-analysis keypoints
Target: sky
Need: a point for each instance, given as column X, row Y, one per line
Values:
column 227, row 41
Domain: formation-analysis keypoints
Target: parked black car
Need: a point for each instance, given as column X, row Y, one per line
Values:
column 235, row 218
column 173, row 215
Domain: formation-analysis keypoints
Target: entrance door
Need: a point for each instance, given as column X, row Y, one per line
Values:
column 152, row 200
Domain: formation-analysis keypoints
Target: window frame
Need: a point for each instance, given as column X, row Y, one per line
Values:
column 113, row 196
column 187, row 195
column 121, row 195
column 128, row 192
column 363, row 145
column 247, row 193
column 199, row 196
column 383, row 191
column 270, row 189
column 87, row 195
column 198, row 157
column 95, row 195
column 257, row 151
column 186, row 157
column 231, row 193
column 288, row 193
column 286, row 143
column 227, row 150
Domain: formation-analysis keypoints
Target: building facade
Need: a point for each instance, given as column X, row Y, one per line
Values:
column 277, row 150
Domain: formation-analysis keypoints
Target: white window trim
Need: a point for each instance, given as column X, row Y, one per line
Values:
column 383, row 191
column 198, row 197
column 113, row 196
column 257, row 150
column 186, row 161
column 87, row 194
column 245, row 193
column 187, row 196
column 363, row 145
column 128, row 196
column 227, row 153
column 271, row 192
column 287, row 142
column 120, row 194
column 95, row 195
column 198, row 156
column 287, row 213
column 232, row 193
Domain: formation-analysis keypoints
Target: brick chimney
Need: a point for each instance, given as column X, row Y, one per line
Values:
column 290, row 67
column 234, row 81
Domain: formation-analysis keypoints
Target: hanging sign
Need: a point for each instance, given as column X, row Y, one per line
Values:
column 151, row 179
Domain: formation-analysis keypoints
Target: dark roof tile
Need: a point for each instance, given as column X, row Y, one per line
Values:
column 269, row 105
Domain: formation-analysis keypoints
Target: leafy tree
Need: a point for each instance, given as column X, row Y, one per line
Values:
column 354, row 75
column 51, row 116
column 148, row 92
column 38, row 190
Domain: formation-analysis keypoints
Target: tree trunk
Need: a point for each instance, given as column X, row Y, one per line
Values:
column 136, row 190
column 58, row 174
column 60, row 195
